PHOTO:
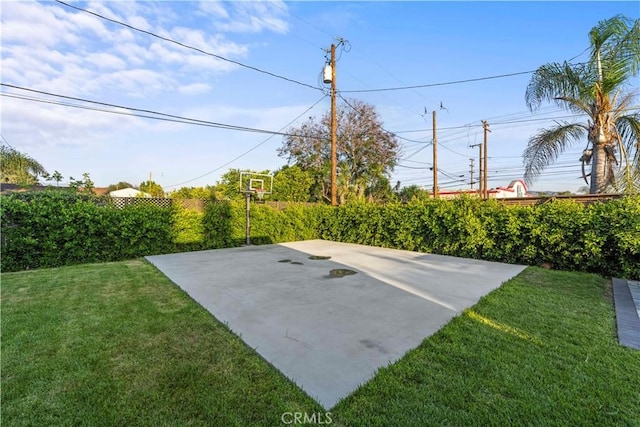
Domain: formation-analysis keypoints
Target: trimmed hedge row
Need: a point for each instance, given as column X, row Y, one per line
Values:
column 55, row 229
column 602, row 238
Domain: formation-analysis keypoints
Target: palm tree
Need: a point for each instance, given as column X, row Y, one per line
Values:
column 19, row 168
column 596, row 89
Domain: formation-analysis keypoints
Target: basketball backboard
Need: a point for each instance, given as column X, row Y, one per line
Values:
column 251, row 182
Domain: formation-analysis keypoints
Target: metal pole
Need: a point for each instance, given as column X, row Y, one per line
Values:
column 247, row 197
column 480, row 193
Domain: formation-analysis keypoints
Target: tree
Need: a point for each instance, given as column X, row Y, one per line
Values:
column 207, row 192
column 411, row 192
column 595, row 89
column 292, row 184
column 365, row 151
column 84, row 184
column 153, row 188
column 57, row 177
column 583, row 190
column 228, row 187
column 119, row 186
column 19, row 168
column 381, row 191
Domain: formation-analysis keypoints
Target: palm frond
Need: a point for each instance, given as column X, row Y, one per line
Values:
column 628, row 127
column 617, row 41
column 565, row 85
column 544, row 147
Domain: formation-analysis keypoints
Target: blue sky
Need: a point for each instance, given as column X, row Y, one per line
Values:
column 49, row 47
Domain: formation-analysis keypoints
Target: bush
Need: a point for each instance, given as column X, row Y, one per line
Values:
column 51, row 229
column 216, row 225
column 57, row 228
column 602, row 238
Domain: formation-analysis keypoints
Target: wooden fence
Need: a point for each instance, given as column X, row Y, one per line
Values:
column 580, row 198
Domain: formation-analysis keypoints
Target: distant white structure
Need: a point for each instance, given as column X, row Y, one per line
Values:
column 129, row 192
column 516, row 188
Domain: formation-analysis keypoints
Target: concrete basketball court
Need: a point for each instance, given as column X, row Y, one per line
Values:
column 331, row 334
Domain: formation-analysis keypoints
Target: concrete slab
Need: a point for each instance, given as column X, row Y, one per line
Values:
column 330, row 335
column 626, row 296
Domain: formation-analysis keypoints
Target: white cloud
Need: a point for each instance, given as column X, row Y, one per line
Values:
column 134, row 53
column 32, row 124
column 53, row 48
column 248, row 16
column 135, row 82
column 215, row 8
column 199, row 62
column 21, row 19
column 106, row 61
column 272, row 119
column 194, row 89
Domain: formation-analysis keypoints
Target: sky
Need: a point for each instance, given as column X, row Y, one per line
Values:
column 258, row 65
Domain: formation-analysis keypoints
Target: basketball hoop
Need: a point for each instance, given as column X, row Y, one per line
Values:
column 259, row 192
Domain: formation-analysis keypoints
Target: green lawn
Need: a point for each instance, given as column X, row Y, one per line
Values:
column 119, row 344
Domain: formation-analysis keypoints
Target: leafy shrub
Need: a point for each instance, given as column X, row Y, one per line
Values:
column 57, row 228
column 226, row 223
column 51, row 229
column 601, row 237
column 216, row 225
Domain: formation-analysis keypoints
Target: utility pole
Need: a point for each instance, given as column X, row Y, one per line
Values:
column 435, row 158
column 485, row 127
column 480, row 176
column 471, row 171
column 334, row 131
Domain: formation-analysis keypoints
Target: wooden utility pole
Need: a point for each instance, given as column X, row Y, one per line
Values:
column 485, row 126
column 471, row 172
column 480, row 176
column 435, row 158
column 334, row 131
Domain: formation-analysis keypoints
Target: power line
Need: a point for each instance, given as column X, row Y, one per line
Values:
column 163, row 116
column 438, row 84
column 222, row 58
column 144, row 116
column 414, row 167
column 6, row 142
column 387, row 131
column 249, row 150
column 492, row 123
column 499, row 76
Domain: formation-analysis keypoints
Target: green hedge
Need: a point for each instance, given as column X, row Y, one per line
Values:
column 225, row 223
column 54, row 229
column 602, row 237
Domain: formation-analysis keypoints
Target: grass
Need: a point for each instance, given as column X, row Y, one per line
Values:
column 119, row 344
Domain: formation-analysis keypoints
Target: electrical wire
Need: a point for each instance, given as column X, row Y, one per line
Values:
column 6, row 142
column 385, row 130
column 249, row 150
column 499, row 76
column 163, row 116
column 186, row 46
column 438, row 84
